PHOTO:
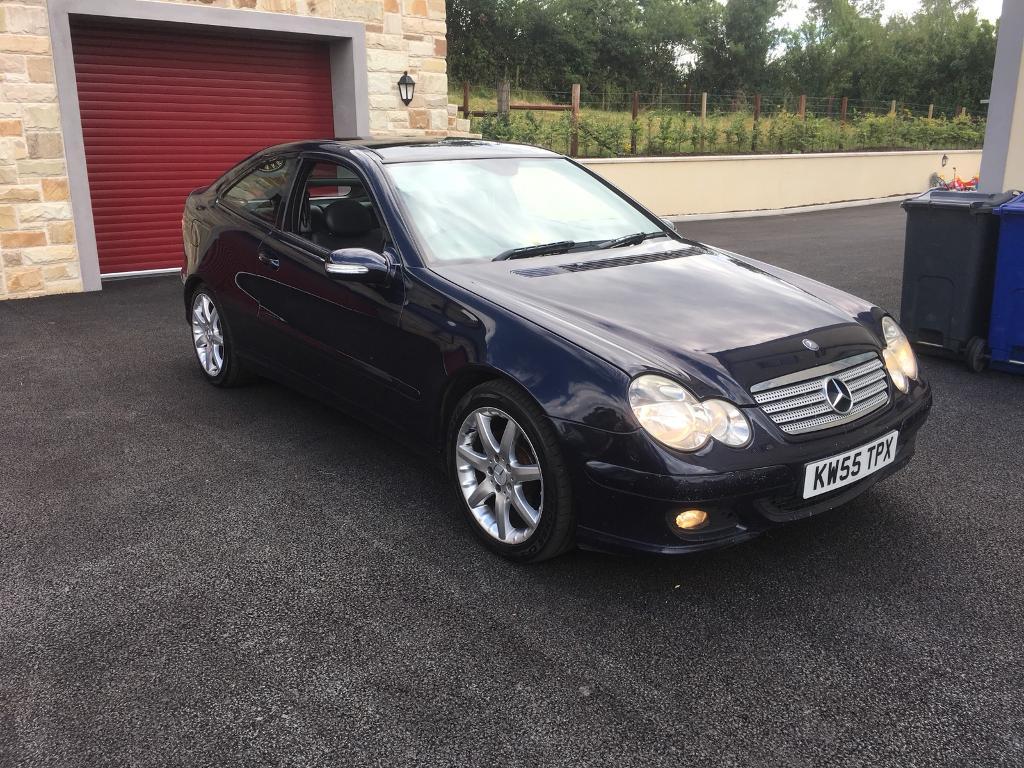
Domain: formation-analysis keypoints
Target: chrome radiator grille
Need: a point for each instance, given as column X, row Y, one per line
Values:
column 798, row 403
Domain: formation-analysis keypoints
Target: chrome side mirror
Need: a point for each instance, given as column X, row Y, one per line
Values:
column 670, row 224
column 358, row 265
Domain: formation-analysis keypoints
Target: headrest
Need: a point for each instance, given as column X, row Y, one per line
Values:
column 348, row 217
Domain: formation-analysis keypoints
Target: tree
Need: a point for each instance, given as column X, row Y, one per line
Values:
column 947, row 54
column 547, row 44
column 732, row 44
column 941, row 54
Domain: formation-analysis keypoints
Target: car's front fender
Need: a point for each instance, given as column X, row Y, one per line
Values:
column 480, row 338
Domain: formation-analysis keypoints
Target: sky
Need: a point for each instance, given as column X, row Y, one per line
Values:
column 988, row 9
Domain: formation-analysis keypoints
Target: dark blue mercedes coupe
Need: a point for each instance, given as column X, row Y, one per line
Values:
column 586, row 374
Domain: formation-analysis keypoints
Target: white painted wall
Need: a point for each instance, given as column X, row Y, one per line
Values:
column 678, row 186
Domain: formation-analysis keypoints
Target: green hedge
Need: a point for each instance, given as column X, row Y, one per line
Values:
column 660, row 133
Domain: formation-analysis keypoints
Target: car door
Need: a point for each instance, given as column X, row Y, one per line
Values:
column 344, row 335
column 249, row 207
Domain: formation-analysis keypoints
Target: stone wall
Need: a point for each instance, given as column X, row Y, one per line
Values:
column 37, row 237
column 38, row 254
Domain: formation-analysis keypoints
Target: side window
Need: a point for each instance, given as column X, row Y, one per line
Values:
column 330, row 182
column 262, row 192
column 335, row 210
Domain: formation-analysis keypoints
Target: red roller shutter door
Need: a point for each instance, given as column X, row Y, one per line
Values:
column 166, row 110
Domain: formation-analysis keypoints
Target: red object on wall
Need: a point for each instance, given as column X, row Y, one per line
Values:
column 166, row 110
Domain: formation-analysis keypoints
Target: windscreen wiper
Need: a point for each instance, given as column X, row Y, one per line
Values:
column 635, row 239
column 535, row 250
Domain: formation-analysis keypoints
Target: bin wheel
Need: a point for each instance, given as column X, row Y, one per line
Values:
column 975, row 355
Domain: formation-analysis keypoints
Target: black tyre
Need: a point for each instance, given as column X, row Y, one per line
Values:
column 975, row 355
column 509, row 474
column 212, row 342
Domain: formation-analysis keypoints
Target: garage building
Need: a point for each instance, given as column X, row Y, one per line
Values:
column 111, row 111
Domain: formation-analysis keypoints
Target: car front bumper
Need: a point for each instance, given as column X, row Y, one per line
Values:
column 621, row 507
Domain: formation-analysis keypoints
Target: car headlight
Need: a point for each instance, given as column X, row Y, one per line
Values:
column 673, row 415
column 899, row 356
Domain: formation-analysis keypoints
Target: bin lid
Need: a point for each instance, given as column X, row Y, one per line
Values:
column 979, row 202
column 1015, row 206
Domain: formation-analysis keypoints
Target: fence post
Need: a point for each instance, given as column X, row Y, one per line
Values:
column 703, row 116
column 504, row 97
column 632, row 125
column 894, row 119
column 843, row 104
column 757, row 119
column 931, row 111
column 802, row 109
column 574, row 136
column 465, row 98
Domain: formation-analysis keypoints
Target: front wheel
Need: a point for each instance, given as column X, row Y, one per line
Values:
column 509, row 474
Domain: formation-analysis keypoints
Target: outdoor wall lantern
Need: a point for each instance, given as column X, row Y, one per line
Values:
column 406, row 88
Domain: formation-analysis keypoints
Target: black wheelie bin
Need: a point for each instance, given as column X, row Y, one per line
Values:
column 949, row 263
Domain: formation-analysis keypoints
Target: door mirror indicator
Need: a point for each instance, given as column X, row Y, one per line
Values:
column 359, row 265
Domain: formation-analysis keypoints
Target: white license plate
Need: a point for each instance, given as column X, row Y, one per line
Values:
column 845, row 468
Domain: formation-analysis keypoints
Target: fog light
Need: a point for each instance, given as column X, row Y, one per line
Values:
column 691, row 519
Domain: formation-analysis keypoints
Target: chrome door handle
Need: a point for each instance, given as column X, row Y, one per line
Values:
column 269, row 260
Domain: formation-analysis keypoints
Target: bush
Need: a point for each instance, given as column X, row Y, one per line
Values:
column 668, row 132
column 737, row 136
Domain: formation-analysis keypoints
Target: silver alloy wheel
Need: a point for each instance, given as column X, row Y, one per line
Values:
column 501, row 478
column 207, row 335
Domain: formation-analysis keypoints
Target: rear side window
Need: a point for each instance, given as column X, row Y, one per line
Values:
column 262, row 192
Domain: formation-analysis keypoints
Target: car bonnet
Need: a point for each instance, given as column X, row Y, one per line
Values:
column 698, row 313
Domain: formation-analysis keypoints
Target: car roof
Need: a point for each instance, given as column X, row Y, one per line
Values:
column 392, row 151
column 411, row 150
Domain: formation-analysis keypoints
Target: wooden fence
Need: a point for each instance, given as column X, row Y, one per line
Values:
column 504, row 107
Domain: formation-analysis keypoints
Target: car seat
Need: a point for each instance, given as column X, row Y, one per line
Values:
column 346, row 224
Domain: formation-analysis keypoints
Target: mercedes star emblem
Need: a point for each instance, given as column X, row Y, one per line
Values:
column 838, row 396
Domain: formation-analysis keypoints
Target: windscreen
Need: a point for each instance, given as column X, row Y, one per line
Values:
column 467, row 210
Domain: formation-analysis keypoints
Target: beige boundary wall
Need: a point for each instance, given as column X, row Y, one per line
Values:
column 678, row 186
column 46, row 242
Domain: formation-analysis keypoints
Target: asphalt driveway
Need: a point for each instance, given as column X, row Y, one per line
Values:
column 191, row 576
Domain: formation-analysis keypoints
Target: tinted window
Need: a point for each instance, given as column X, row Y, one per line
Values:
column 263, row 191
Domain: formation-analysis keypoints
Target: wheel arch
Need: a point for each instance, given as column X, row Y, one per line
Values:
column 461, row 382
column 192, row 283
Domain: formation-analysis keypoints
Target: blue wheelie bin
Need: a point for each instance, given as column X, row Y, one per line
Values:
column 1006, row 329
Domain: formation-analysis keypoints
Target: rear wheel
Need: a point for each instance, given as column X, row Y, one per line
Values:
column 975, row 354
column 509, row 474
column 212, row 343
